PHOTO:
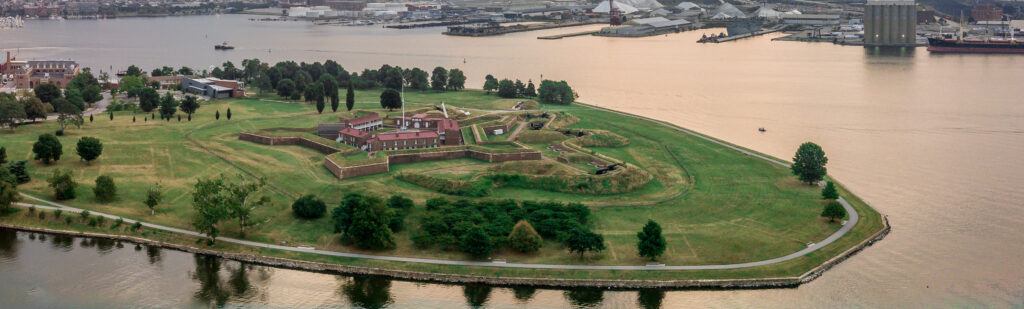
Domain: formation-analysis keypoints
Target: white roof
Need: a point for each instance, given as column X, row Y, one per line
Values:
column 646, row 21
column 603, row 7
column 670, row 23
column 730, row 10
column 688, row 6
column 721, row 16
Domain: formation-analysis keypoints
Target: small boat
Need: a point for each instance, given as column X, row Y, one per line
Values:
column 761, row 129
column 223, row 46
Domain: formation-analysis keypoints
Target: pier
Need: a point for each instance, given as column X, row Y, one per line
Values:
column 567, row 35
column 493, row 28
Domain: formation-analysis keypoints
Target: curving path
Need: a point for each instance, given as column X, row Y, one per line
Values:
column 847, row 226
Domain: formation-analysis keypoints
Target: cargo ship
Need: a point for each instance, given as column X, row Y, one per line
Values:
column 947, row 44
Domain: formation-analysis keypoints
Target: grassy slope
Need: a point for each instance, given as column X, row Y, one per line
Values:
column 724, row 207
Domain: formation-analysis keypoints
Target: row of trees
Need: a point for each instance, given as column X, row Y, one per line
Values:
column 47, row 98
column 48, row 148
column 550, row 92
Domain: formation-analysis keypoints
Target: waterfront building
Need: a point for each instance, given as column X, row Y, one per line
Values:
column 214, row 88
column 890, row 23
column 28, row 74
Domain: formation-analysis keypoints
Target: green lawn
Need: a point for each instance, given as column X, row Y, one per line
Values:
column 714, row 204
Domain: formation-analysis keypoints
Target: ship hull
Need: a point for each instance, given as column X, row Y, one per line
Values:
column 949, row 46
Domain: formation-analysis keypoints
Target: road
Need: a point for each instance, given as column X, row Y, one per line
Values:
column 847, row 226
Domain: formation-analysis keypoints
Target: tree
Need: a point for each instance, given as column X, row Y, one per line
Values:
column 216, row 115
column 393, row 78
column 229, row 113
column 210, row 205
column 350, row 97
column 189, row 105
column 520, row 88
column 506, row 89
column 3, row 155
column 92, row 93
column 400, row 207
column 168, row 106
column 417, row 79
column 524, row 238
column 829, row 192
column 68, row 114
column 105, row 189
column 187, row 71
column 309, row 207
column 833, row 211
column 439, row 79
column 19, row 170
column 243, row 197
column 11, row 112
column 456, row 80
column 580, row 241
column 809, row 163
column 63, row 184
column 318, row 95
column 46, row 92
column 363, row 221
column 490, row 83
column 153, row 197
column 285, row 88
column 74, row 96
column 47, row 148
column 8, row 196
column 132, row 86
column 531, row 90
column 390, row 99
column 650, row 243
column 148, row 99
column 330, row 89
column 476, row 243
column 133, row 71
column 34, row 108
column 89, row 148
column 552, row 92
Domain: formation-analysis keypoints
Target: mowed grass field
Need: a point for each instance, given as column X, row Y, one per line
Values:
column 714, row 204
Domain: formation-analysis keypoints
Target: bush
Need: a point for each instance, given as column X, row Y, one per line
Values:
column 89, row 148
column 42, row 215
column 118, row 222
column 20, row 172
column 93, row 222
column 309, row 207
column 67, row 220
column 400, row 207
column 136, row 226
column 84, row 214
column 476, row 243
column 57, row 213
column 105, row 189
column 48, row 148
column 524, row 238
column 63, row 184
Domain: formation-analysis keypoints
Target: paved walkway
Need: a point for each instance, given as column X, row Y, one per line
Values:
column 847, row 226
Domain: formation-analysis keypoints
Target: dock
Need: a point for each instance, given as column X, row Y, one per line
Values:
column 493, row 28
column 567, row 35
column 744, row 36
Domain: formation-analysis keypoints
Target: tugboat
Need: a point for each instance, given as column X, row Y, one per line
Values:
column 223, row 46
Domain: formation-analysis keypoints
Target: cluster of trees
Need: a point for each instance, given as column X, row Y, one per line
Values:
column 48, row 148
column 507, row 88
column 809, row 166
column 479, row 228
column 12, row 174
column 216, row 200
column 369, row 222
column 14, row 111
column 550, row 92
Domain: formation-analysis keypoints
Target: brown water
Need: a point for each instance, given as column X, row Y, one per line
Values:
column 933, row 141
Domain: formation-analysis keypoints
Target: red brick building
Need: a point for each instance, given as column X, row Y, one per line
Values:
column 28, row 74
column 403, row 140
column 986, row 11
column 448, row 130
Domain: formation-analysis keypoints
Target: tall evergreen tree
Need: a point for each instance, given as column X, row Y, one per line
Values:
column 350, row 97
column 829, row 192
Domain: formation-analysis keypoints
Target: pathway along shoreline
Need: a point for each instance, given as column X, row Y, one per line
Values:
column 540, row 282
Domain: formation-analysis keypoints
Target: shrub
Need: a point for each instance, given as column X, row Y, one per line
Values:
column 67, row 220
column 136, row 226
column 48, row 148
column 63, row 184
column 476, row 243
column 89, row 148
column 57, row 213
column 42, row 215
column 309, row 207
column 101, row 220
column 84, row 214
column 32, row 209
column 105, row 189
column 93, row 222
column 524, row 238
column 118, row 222
column 20, row 172
column 400, row 207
